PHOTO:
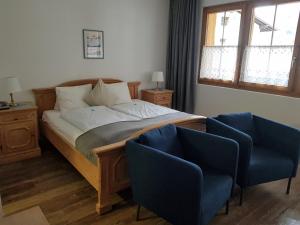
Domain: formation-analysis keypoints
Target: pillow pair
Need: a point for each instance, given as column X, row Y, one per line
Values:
column 82, row 96
column 108, row 94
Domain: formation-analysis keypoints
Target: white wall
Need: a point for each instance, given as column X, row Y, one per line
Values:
column 41, row 40
column 211, row 100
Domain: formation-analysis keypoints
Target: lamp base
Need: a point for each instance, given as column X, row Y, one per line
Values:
column 12, row 101
column 157, row 87
column 13, row 104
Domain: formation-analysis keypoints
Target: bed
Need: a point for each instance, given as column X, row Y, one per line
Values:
column 108, row 174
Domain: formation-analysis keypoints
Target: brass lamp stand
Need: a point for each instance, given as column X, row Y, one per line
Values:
column 12, row 101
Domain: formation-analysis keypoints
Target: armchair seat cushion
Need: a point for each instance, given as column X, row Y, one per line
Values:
column 216, row 191
column 267, row 165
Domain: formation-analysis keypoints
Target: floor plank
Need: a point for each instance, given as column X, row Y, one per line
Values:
column 63, row 195
column 33, row 216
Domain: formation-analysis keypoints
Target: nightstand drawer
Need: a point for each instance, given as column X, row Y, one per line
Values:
column 19, row 136
column 163, row 98
column 168, row 105
column 16, row 117
column 159, row 97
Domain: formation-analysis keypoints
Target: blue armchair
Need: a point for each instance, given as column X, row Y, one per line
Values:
column 269, row 151
column 182, row 175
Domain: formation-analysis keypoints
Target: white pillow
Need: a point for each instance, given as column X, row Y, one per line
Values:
column 72, row 97
column 109, row 94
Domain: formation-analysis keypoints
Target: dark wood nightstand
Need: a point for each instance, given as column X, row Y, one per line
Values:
column 19, row 133
column 159, row 97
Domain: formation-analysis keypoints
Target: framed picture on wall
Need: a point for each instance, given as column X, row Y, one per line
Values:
column 93, row 44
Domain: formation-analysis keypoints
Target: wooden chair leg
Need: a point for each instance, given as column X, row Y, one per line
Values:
column 138, row 212
column 227, row 207
column 241, row 196
column 289, row 186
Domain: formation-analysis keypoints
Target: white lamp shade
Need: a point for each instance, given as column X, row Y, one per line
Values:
column 11, row 85
column 158, row 77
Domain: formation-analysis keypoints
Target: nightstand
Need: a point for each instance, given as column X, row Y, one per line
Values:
column 19, row 133
column 159, row 97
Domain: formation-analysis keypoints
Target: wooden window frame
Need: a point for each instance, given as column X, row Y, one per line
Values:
column 247, row 7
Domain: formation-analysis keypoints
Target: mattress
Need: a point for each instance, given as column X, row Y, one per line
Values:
column 142, row 109
column 69, row 132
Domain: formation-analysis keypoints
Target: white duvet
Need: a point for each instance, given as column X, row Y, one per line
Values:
column 91, row 117
column 74, row 122
column 142, row 109
column 62, row 127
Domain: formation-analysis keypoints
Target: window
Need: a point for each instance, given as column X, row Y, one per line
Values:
column 252, row 45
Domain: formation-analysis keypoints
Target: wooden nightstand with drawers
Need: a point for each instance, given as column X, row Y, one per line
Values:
column 19, row 133
column 158, row 97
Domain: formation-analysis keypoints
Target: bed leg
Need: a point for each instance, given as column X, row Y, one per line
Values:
column 106, row 201
column 102, row 210
column 112, row 177
column 106, row 196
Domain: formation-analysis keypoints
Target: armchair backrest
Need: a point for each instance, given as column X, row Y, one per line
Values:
column 242, row 122
column 164, row 139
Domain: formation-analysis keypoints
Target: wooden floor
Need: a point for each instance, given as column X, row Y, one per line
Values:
column 66, row 198
column 32, row 216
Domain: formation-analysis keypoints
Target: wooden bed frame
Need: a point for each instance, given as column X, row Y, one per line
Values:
column 110, row 175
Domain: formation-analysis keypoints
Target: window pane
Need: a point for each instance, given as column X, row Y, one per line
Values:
column 223, row 28
column 218, row 63
column 232, row 28
column 267, row 65
column 214, row 29
column 262, row 26
column 219, row 54
column 287, row 16
column 268, row 58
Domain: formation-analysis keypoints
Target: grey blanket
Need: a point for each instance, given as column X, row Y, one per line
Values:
column 112, row 133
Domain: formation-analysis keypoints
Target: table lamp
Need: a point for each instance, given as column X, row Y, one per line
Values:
column 12, row 85
column 158, row 77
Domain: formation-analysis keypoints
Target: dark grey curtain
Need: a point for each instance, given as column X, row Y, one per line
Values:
column 183, row 52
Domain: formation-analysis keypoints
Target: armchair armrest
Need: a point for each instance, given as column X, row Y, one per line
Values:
column 165, row 184
column 245, row 142
column 279, row 137
column 210, row 150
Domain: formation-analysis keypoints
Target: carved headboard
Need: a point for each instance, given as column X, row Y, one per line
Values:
column 45, row 97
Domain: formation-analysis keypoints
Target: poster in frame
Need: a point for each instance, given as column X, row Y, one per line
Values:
column 93, row 44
